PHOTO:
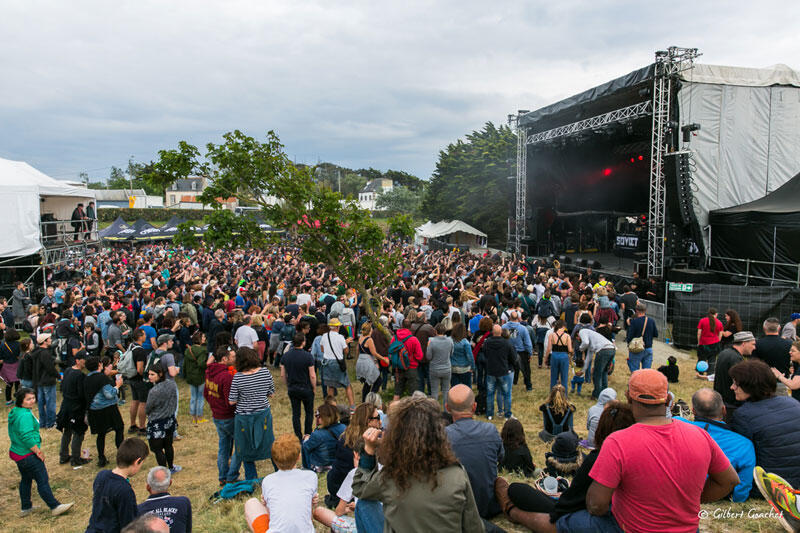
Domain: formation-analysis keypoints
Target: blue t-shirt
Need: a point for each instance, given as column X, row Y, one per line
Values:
column 176, row 511
column 150, row 333
column 473, row 323
column 113, row 503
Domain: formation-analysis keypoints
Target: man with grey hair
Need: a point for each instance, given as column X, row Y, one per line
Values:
column 148, row 523
column 176, row 511
column 246, row 336
column 709, row 411
column 774, row 350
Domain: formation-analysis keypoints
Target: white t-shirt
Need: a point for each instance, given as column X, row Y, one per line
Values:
column 304, row 298
column 288, row 495
column 346, row 490
column 246, row 336
column 333, row 343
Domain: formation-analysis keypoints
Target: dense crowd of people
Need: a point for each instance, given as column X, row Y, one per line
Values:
column 450, row 339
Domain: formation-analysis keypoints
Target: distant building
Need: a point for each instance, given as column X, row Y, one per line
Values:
column 183, row 193
column 124, row 198
column 369, row 194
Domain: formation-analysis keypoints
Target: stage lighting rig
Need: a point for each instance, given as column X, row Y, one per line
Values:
column 687, row 131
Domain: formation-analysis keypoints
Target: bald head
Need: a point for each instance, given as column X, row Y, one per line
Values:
column 497, row 330
column 461, row 402
column 707, row 403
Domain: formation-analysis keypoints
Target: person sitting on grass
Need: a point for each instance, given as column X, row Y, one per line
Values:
column 287, row 496
column 517, row 456
column 113, row 499
column 671, row 369
column 525, row 505
column 175, row 510
column 557, row 414
column 319, row 447
column 147, row 523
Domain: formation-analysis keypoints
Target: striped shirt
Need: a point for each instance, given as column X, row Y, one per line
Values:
column 251, row 391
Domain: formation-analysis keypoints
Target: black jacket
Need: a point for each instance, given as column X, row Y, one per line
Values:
column 500, row 356
column 44, row 367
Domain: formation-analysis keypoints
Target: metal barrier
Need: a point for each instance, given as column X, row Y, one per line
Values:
column 62, row 232
column 658, row 311
column 749, row 265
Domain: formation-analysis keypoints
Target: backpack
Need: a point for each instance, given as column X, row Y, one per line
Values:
column 126, row 366
column 545, row 308
column 26, row 326
column 152, row 360
column 398, row 353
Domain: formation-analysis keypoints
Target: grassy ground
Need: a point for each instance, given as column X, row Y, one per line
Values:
column 197, row 454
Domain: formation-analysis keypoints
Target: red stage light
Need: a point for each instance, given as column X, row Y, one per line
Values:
column 641, row 157
column 632, row 159
column 606, row 172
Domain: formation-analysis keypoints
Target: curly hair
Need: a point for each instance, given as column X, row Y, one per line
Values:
column 359, row 420
column 415, row 447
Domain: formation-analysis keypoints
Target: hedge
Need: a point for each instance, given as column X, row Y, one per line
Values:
column 110, row 214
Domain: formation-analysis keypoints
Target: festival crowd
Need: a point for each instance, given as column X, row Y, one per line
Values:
column 103, row 353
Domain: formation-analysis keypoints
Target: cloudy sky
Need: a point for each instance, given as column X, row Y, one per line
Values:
column 88, row 84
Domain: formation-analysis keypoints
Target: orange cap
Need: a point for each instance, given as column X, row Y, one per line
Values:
column 648, row 386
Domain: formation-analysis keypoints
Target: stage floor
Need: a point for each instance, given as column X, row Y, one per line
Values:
column 609, row 263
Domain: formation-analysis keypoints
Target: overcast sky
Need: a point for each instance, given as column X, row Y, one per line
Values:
column 87, row 84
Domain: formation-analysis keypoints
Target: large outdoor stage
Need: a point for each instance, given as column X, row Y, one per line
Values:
column 630, row 170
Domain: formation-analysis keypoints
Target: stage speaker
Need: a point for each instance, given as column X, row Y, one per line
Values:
column 580, row 262
column 593, row 264
column 564, row 259
column 684, row 190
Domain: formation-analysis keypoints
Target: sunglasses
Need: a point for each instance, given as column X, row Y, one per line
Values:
column 374, row 417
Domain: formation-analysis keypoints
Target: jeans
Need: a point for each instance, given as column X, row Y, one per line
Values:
column 250, row 471
column 369, row 516
column 440, row 382
column 306, row 399
column 196, row 400
column 423, row 378
column 28, row 384
column 587, row 363
column 525, row 368
column 32, row 469
column 583, row 521
column 559, row 368
column 225, row 453
column 46, row 395
column 600, row 376
column 645, row 359
column 461, row 379
column 503, row 386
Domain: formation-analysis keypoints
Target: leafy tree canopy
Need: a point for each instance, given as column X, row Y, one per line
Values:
column 398, row 200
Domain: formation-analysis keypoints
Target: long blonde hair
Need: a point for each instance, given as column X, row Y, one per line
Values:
column 557, row 400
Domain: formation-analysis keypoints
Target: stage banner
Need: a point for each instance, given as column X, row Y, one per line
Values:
column 754, row 305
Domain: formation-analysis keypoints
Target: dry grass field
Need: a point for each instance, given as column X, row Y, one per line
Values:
column 198, row 480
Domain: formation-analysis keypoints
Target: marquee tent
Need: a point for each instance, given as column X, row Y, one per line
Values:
column 168, row 230
column 114, row 231
column 29, row 194
column 450, row 232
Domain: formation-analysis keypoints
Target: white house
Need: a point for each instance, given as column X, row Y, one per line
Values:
column 369, row 194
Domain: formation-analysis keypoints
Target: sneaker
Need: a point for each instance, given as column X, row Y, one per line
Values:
column 202, row 421
column 175, row 469
column 64, row 460
column 133, row 429
column 781, row 496
column 26, row 512
column 80, row 461
column 63, row 508
column 177, row 437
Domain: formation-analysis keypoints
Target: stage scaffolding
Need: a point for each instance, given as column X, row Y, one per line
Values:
column 668, row 65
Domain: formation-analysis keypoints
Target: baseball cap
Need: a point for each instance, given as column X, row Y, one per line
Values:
column 743, row 336
column 164, row 337
column 795, row 316
column 648, row 386
column 42, row 337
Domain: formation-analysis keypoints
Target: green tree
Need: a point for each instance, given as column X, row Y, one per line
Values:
column 405, row 179
column 352, row 184
column 398, row 200
column 471, row 182
column 327, row 229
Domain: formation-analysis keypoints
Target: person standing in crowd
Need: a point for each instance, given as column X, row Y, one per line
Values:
column 421, row 485
column 216, row 390
column 368, row 365
column 297, row 372
column 644, row 327
column 176, row 511
column 9, row 362
column 423, row 332
column 102, row 394
column 334, row 365
column 603, row 351
column 767, row 419
column 438, row 353
column 774, row 350
column 246, row 336
column 683, row 461
column 462, row 362
column 789, row 331
column 113, row 499
column 406, row 380
column 25, row 367
column 71, row 416
column 743, row 345
column 19, row 302
column 78, row 222
column 45, row 377
column 733, row 325
column 708, row 411
column 140, row 386
column 709, row 336
column 557, row 354
column 26, row 452
column 793, row 383
column 91, row 216
column 194, row 369
column 251, row 388
column 162, row 401
column 521, row 341
column 478, row 447
column 500, row 360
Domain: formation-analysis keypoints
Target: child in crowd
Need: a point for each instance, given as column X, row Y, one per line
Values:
column 557, row 414
column 113, row 499
column 671, row 369
column 517, row 456
column 287, row 495
column 563, row 459
column 577, row 376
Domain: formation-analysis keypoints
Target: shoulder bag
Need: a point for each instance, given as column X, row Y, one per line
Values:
column 341, row 362
column 637, row 343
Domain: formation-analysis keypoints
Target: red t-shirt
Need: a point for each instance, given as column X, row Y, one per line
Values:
column 706, row 335
column 658, row 473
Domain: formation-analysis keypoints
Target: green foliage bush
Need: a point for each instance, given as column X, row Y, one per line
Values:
column 151, row 215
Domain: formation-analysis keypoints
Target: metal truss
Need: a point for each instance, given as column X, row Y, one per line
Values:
column 668, row 64
column 624, row 114
column 516, row 230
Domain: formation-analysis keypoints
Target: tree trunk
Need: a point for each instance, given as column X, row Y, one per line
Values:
column 376, row 323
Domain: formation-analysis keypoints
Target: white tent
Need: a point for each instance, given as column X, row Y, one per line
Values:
column 451, row 232
column 29, row 194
